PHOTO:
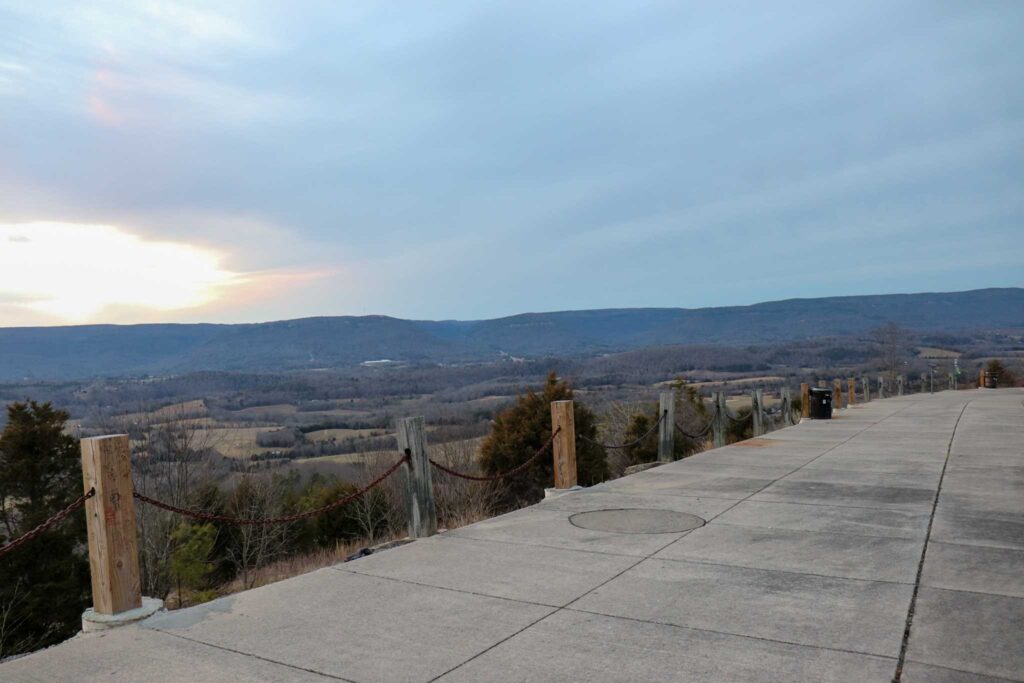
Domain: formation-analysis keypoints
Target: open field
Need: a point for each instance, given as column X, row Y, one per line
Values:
column 935, row 352
column 184, row 410
column 339, row 434
column 235, row 442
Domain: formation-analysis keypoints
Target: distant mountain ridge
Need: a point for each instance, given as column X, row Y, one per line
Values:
column 76, row 352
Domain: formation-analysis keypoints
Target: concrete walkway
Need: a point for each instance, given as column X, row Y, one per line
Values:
column 807, row 569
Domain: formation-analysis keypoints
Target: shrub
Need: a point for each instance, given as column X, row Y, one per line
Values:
column 522, row 429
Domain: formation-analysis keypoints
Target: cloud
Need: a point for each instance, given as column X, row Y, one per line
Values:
column 74, row 272
column 478, row 159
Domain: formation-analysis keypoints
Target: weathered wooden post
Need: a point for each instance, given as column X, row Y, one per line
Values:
column 805, row 400
column 866, row 388
column 419, row 488
column 563, row 420
column 787, row 408
column 837, row 394
column 720, row 417
column 757, row 411
column 666, row 429
column 899, row 385
column 110, row 526
column 981, row 378
column 881, row 386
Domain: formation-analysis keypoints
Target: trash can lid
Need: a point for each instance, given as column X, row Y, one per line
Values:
column 819, row 390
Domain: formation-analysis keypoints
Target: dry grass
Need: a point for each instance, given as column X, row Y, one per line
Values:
column 237, row 442
column 176, row 411
column 278, row 408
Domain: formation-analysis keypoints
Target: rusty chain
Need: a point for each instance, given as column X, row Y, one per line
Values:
column 266, row 521
column 52, row 521
column 503, row 475
column 634, row 442
column 740, row 420
column 699, row 434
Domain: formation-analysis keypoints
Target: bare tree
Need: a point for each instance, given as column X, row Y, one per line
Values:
column 893, row 343
column 613, row 427
column 380, row 512
column 256, row 497
column 9, row 624
column 461, row 501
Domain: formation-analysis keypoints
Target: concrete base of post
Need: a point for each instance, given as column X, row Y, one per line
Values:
column 555, row 493
column 93, row 621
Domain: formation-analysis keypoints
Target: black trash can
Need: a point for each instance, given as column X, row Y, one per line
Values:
column 821, row 404
column 991, row 380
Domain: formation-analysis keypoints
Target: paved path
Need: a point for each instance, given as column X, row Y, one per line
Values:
column 806, row 571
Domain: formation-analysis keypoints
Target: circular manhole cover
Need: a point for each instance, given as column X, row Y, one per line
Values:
column 636, row 521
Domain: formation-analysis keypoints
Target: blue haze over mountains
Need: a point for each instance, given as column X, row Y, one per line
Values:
column 76, row 352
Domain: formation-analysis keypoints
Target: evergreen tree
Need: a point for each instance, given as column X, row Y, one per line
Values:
column 521, row 430
column 44, row 585
column 190, row 562
column 1004, row 378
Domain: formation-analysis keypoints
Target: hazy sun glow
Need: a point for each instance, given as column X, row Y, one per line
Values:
column 75, row 271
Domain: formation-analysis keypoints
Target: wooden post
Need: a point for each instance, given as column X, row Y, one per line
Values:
column 805, row 400
column 837, row 394
column 899, row 385
column 757, row 411
column 720, row 418
column 787, row 409
column 865, row 388
column 881, row 386
column 667, row 428
column 419, row 488
column 564, row 448
column 110, row 524
column 851, row 391
column 981, row 378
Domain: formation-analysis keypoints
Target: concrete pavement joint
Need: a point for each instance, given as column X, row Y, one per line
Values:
column 781, row 571
column 820, row 505
column 797, row 469
column 254, row 656
column 811, row 531
column 557, row 610
column 898, row 674
column 730, row 633
column 444, row 588
column 555, row 547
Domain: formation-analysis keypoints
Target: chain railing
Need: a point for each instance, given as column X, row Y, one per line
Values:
column 266, row 521
column 109, row 465
column 502, row 475
column 53, row 521
column 740, row 420
column 702, row 433
column 630, row 444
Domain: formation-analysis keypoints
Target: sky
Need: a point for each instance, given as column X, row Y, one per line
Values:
column 243, row 161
